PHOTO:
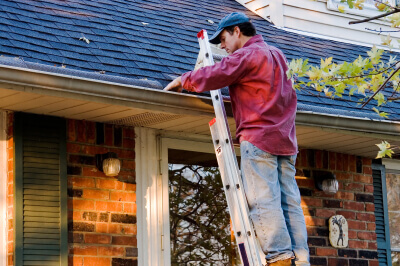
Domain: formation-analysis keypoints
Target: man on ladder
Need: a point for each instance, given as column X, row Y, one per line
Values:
column 264, row 108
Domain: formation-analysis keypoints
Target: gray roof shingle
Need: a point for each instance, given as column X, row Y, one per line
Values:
column 150, row 39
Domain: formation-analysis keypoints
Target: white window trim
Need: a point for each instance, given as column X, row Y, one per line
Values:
column 3, row 189
column 176, row 144
column 391, row 164
column 366, row 12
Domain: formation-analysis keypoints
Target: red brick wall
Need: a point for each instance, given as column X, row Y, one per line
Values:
column 10, row 189
column 354, row 201
column 101, row 210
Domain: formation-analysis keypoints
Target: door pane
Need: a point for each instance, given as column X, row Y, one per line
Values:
column 199, row 218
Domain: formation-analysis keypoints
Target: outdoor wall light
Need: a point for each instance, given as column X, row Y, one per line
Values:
column 325, row 181
column 108, row 163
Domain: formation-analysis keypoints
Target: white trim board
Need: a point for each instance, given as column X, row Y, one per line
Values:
column 391, row 164
column 152, row 192
column 3, row 189
column 148, row 200
column 177, row 144
column 152, row 189
column 324, row 37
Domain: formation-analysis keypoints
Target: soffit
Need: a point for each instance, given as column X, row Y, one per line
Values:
column 313, row 137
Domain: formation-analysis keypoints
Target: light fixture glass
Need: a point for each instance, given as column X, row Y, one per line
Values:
column 108, row 163
column 325, row 181
column 330, row 186
column 111, row 166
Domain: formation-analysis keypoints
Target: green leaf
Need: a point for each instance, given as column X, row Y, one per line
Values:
column 362, row 88
column 350, row 3
column 391, row 61
column 375, row 54
column 380, row 98
column 325, row 63
column 382, row 114
column 314, row 73
column 384, row 150
column 359, row 4
column 395, row 20
column 387, row 41
column 327, row 92
column 344, row 68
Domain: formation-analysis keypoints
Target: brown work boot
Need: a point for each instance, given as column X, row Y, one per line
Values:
column 286, row 262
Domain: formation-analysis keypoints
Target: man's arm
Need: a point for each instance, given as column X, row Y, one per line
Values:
column 229, row 71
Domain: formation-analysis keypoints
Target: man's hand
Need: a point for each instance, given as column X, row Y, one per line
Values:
column 175, row 85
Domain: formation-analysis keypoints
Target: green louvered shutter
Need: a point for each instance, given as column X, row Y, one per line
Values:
column 40, row 185
column 381, row 215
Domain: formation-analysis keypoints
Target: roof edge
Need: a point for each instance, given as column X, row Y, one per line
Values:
column 51, row 84
column 388, row 129
column 61, row 85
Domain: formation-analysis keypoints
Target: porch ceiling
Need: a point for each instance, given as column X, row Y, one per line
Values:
column 25, row 99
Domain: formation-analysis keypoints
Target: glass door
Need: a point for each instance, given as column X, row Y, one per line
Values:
column 199, row 222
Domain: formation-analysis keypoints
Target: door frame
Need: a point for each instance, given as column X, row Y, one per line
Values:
column 177, row 144
column 151, row 149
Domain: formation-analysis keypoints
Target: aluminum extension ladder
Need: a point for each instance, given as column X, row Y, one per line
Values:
column 248, row 245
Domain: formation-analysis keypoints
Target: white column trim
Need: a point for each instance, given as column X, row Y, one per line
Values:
column 3, row 189
column 148, row 184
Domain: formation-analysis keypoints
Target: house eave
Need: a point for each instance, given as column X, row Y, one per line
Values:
column 388, row 129
column 71, row 87
column 51, row 84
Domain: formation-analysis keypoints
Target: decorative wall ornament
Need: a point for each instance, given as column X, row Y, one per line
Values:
column 338, row 231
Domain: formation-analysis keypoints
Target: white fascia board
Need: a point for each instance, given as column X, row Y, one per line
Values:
column 51, row 84
column 387, row 129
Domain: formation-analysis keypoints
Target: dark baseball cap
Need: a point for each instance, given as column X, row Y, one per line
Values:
column 229, row 20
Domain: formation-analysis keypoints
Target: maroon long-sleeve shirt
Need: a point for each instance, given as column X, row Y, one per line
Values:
column 263, row 99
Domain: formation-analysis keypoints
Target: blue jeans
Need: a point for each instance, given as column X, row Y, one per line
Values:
column 274, row 204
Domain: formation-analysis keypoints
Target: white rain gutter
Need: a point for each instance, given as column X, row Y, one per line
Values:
column 59, row 85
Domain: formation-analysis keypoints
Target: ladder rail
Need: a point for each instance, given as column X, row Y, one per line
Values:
column 249, row 248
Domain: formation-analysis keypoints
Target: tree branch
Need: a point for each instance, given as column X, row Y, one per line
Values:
column 381, row 87
column 380, row 30
column 396, row 10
